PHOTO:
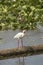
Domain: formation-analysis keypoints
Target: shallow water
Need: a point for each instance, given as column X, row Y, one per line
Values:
column 32, row 38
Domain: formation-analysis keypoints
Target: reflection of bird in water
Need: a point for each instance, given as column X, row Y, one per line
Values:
column 21, row 62
column 19, row 36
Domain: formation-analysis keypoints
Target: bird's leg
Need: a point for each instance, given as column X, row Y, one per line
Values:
column 22, row 42
column 18, row 43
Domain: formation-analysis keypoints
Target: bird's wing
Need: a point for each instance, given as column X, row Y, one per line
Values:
column 19, row 35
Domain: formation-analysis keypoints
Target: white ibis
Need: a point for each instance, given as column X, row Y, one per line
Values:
column 19, row 36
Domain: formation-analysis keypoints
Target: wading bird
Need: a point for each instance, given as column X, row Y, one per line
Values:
column 20, row 36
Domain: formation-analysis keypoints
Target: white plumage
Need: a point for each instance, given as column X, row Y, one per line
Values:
column 19, row 36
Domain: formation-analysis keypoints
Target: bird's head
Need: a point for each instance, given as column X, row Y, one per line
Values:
column 25, row 32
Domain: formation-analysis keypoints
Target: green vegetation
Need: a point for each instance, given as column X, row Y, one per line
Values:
column 21, row 14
